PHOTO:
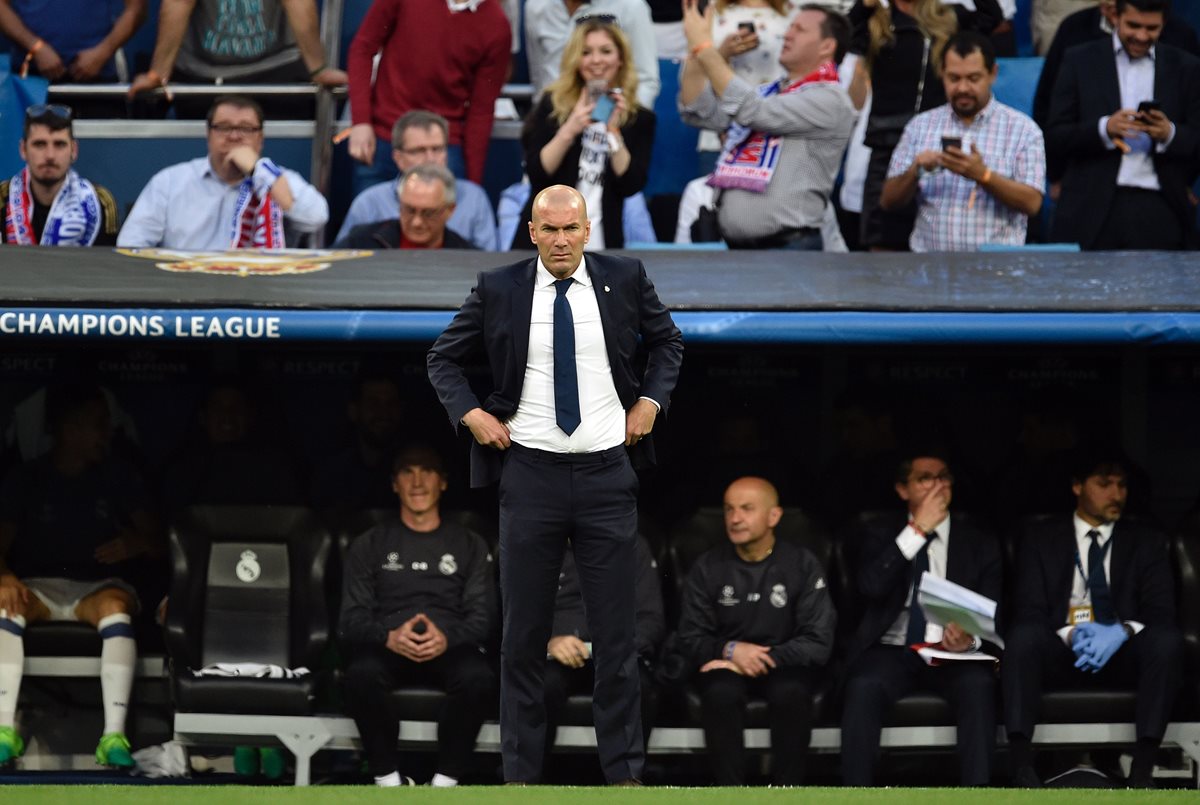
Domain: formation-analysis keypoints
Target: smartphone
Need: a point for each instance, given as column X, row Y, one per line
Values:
column 1149, row 106
column 603, row 109
column 948, row 142
column 746, row 28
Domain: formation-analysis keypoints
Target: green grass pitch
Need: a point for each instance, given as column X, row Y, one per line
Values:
column 551, row 795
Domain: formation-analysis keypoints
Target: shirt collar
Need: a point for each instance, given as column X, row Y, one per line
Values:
column 1082, row 527
column 543, row 278
column 1118, row 48
column 462, row 5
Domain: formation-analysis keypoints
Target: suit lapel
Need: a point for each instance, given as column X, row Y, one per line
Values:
column 1109, row 80
column 522, row 309
column 957, row 554
column 602, row 289
column 1121, row 554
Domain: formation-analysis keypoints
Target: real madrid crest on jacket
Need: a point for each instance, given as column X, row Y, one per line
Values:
column 392, row 573
column 782, row 602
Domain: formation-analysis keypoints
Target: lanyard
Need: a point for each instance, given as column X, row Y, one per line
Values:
column 1087, row 586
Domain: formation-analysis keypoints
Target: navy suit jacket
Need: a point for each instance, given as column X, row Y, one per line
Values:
column 1086, row 91
column 1142, row 586
column 884, row 575
column 494, row 323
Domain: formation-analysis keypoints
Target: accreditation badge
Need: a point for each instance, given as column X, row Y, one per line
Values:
column 1079, row 615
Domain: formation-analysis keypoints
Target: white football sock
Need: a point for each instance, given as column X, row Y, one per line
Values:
column 118, row 655
column 12, row 666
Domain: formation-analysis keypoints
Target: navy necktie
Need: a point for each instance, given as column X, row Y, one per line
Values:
column 916, row 615
column 1102, row 605
column 566, row 381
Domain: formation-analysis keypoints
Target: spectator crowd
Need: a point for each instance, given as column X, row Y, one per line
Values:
column 936, row 162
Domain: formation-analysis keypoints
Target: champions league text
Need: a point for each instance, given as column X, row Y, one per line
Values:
column 247, row 327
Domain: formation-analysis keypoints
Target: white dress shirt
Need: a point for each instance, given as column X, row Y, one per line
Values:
column 1136, row 80
column 187, row 206
column 602, row 417
column 1080, row 595
column 909, row 542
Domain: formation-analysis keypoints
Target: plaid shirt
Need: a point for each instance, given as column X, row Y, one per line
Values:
column 1011, row 145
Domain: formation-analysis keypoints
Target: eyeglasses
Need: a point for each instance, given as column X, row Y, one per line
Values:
column 603, row 19
column 224, row 129
column 407, row 211
column 928, row 480
column 49, row 113
column 430, row 150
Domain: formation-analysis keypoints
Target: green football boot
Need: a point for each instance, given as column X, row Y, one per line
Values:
column 113, row 751
column 11, row 745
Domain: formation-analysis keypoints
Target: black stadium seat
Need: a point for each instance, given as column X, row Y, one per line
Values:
column 247, row 586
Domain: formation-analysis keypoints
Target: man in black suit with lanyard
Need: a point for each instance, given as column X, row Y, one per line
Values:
column 882, row 666
column 1094, row 607
column 564, row 338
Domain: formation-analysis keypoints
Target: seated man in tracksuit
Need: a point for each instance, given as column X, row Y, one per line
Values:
column 418, row 606
column 758, row 621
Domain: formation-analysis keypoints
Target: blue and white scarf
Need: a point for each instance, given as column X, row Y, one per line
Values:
column 74, row 218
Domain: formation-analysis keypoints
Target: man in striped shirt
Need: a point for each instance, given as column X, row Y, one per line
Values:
column 978, row 167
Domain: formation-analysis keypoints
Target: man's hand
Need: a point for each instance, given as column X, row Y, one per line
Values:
column 331, row 77
column 697, row 27
column 955, row 638
column 88, row 63
column 1156, row 124
column 1094, row 651
column 13, row 595
column 721, row 665
column 969, row 166
column 568, row 650
column 244, row 158
column 400, row 640
column 430, row 640
column 639, row 421
column 144, row 82
column 487, row 430
column 934, row 507
column 49, row 63
column 126, row 545
column 1123, row 123
column 753, row 659
column 928, row 160
column 362, row 143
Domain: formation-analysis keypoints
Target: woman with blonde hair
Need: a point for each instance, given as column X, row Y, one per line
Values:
column 589, row 132
column 900, row 44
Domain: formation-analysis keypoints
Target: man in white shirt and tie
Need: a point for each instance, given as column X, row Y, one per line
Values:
column 570, row 408
column 1125, row 122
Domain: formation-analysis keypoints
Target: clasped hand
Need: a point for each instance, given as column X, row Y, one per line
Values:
column 749, row 659
column 419, row 646
column 1094, row 644
column 969, row 166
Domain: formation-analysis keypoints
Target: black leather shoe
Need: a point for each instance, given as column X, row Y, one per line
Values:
column 1026, row 777
column 632, row 782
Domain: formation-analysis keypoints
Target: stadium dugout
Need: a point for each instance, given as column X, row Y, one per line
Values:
column 757, row 326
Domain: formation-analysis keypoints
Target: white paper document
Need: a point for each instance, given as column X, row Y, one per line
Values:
column 937, row 656
column 944, row 601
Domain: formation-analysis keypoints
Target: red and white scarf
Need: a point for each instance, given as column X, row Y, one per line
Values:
column 750, row 157
column 257, row 219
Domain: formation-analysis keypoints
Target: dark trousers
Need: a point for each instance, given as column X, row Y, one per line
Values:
column 562, row 682
column 546, row 499
column 1035, row 659
column 1139, row 219
column 882, row 229
column 462, row 672
column 724, row 694
column 882, row 675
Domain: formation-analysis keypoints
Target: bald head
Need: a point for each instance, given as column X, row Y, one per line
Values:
column 560, row 229
column 751, row 513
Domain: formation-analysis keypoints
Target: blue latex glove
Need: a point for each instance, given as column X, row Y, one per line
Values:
column 1081, row 636
column 1101, row 646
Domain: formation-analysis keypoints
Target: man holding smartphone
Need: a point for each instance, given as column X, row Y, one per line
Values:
column 977, row 167
column 1127, row 171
